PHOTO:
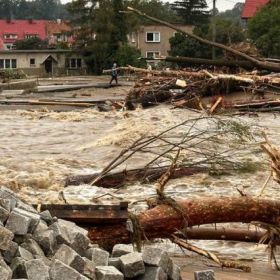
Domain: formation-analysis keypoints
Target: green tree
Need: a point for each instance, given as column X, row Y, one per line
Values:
column 227, row 32
column 234, row 14
column 7, row 8
column 35, row 9
column 33, row 43
column 154, row 8
column 193, row 12
column 119, row 20
column 264, row 29
column 180, row 45
column 129, row 55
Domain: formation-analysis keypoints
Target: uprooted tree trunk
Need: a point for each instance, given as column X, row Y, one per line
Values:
column 258, row 63
column 163, row 220
column 203, row 61
column 248, row 79
column 118, row 179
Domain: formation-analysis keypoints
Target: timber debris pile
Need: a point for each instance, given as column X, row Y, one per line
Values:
column 186, row 89
column 35, row 242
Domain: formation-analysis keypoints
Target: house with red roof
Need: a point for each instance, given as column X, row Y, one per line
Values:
column 251, row 7
column 13, row 30
column 59, row 31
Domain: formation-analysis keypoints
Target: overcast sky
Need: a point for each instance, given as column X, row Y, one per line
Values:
column 222, row 5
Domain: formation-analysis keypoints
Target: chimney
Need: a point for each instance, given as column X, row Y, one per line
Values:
column 58, row 21
column 30, row 21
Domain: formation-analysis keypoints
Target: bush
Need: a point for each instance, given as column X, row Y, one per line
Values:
column 8, row 74
column 264, row 29
column 128, row 55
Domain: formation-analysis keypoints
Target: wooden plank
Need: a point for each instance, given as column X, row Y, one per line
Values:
column 83, row 207
column 88, row 214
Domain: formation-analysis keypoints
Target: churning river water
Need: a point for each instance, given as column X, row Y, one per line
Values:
column 38, row 149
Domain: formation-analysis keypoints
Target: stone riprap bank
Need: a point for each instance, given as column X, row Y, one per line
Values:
column 37, row 246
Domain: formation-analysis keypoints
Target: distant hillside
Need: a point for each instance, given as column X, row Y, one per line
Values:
column 35, row 9
column 234, row 14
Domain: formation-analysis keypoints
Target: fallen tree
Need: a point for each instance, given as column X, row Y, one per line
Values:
column 203, row 61
column 221, row 233
column 144, row 175
column 164, row 219
column 272, row 66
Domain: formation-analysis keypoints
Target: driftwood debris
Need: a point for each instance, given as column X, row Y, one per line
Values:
column 260, row 105
column 223, row 263
column 180, row 88
column 118, row 179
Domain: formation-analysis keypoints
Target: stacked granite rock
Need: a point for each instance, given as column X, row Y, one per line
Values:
column 153, row 264
column 37, row 246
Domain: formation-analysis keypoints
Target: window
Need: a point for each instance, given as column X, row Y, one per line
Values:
column 79, row 63
column 32, row 61
column 28, row 36
column 74, row 63
column 152, row 55
column 10, row 36
column 8, row 63
column 14, row 63
column 153, row 37
column 58, row 37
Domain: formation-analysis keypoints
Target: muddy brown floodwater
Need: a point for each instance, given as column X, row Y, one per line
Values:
column 40, row 147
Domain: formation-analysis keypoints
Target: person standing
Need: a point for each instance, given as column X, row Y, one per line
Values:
column 114, row 73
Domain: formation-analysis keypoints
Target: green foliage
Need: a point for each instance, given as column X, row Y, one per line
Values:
column 234, row 15
column 95, row 26
column 154, row 8
column 8, row 74
column 264, row 29
column 242, row 132
column 193, row 12
column 180, row 45
column 62, row 46
column 248, row 166
column 31, row 44
column 227, row 32
column 120, row 30
column 35, row 9
column 102, row 29
column 128, row 55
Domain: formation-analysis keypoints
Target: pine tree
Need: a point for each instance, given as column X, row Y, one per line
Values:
column 193, row 12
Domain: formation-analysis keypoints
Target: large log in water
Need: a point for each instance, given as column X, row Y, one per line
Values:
column 163, row 220
column 118, row 179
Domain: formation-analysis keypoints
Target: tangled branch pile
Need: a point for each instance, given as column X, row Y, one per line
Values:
column 217, row 145
column 186, row 88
